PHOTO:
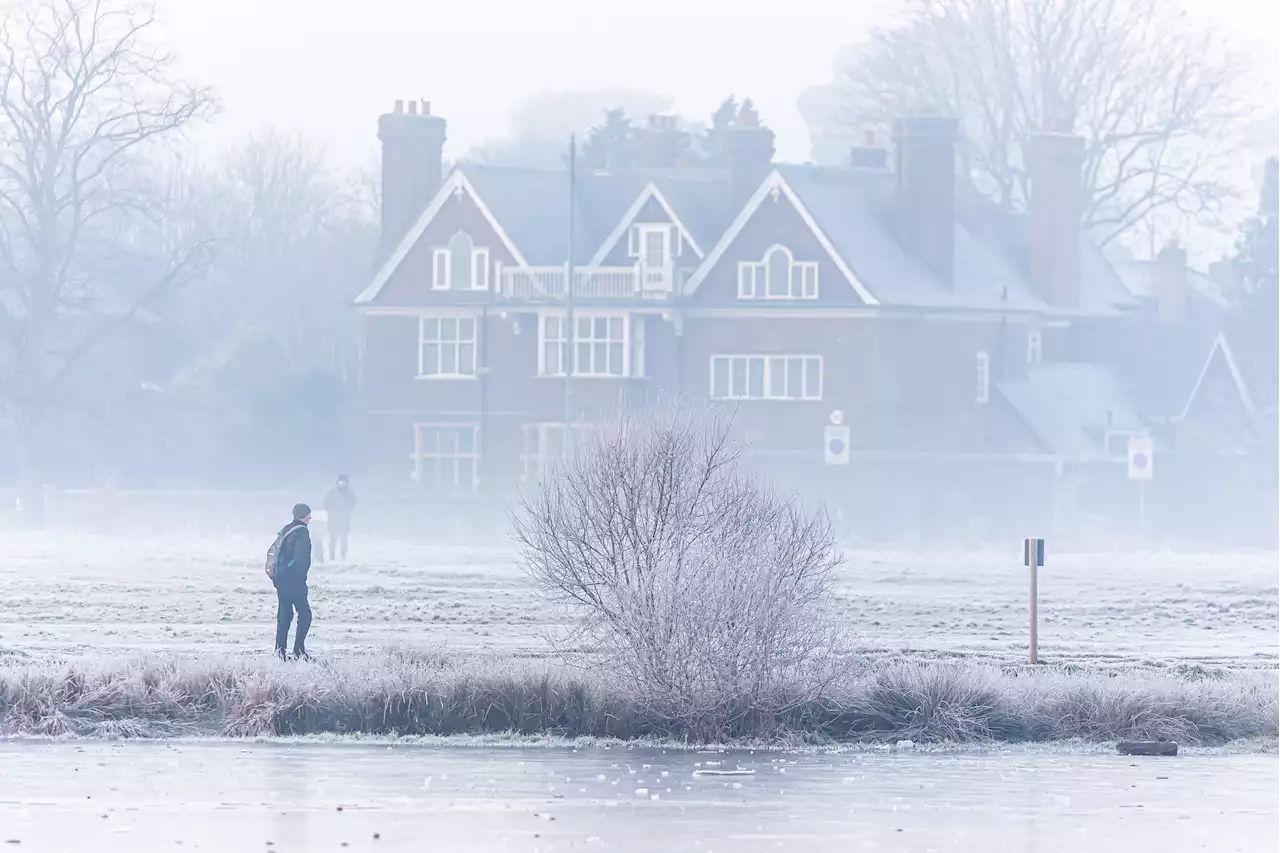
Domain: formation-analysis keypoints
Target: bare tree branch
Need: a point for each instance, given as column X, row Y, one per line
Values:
column 85, row 103
column 1156, row 98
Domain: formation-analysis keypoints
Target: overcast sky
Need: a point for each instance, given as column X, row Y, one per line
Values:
column 329, row 67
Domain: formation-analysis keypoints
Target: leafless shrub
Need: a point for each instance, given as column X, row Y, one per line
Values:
column 696, row 586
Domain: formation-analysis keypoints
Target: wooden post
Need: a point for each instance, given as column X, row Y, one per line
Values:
column 1033, row 558
column 1033, row 641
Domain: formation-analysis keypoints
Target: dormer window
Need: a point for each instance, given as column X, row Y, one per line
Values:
column 778, row 276
column 460, row 265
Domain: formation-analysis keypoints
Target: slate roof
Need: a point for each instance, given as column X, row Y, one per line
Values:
column 1070, row 407
column 855, row 208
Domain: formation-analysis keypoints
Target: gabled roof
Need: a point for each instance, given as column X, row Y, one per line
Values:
column 649, row 193
column 1220, row 349
column 457, row 182
column 777, row 183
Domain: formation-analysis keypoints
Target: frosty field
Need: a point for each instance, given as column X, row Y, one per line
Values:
column 65, row 594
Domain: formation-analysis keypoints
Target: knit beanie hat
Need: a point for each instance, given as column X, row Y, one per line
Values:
column 300, row 511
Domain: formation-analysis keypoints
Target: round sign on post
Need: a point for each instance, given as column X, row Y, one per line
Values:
column 1140, row 457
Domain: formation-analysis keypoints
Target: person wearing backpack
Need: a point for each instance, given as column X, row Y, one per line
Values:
column 288, row 561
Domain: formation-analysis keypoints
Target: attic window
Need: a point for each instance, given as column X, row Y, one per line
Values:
column 460, row 265
column 777, row 276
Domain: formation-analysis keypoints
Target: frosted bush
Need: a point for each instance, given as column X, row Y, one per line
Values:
column 695, row 585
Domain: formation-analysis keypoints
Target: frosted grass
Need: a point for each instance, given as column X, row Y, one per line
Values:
column 410, row 693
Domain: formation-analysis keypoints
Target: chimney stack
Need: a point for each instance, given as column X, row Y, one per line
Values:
column 750, row 156
column 868, row 155
column 1055, row 160
column 661, row 143
column 1173, row 288
column 412, row 161
column 926, row 191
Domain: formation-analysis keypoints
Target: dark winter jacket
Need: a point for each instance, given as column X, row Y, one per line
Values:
column 294, row 560
column 340, row 503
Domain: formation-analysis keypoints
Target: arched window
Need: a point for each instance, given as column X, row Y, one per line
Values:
column 777, row 275
column 460, row 265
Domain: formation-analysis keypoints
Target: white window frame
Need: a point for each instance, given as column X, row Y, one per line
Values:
column 561, row 342
column 672, row 241
column 1035, row 346
column 465, row 350
column 774, row 369
column 982, row 392
column 442, row 265
column 753, row 277
column 549, row 436
column 453, row 455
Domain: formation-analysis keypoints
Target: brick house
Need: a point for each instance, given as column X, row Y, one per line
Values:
column 977, row 367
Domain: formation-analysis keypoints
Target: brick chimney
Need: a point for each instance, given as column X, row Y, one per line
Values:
column 925, row 149
column 1055, row 161
column 750, row 161
column 661, row 143
column 1173, row 287
column 412, row 160
column 868, row 155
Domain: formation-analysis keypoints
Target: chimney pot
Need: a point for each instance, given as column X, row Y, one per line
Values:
column 399, row 106
column 413, row 108
column 426, row 108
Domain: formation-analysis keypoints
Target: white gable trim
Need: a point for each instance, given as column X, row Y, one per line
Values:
column 775, row 183
column 1219, row 345
column 649, row 192
column 456, row 183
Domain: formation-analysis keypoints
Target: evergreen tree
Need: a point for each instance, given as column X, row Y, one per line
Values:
column 1258, row 249
column 713, row 145
column 611, row 144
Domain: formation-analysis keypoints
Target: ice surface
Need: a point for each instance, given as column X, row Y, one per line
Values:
column 125, row 797
column 67, row 593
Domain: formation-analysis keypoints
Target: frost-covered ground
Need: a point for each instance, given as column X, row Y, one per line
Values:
column 66, row 594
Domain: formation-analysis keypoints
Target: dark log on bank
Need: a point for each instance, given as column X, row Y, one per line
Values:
column 1147, row 747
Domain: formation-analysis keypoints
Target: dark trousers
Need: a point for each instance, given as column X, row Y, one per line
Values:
column 338, row 541
column 291, row 597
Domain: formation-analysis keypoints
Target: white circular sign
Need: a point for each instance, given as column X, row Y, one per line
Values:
column 837, row 417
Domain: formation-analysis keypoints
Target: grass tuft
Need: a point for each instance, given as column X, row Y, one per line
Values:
column 405, row 692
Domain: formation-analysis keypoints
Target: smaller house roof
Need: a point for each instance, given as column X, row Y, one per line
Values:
column 1070, row 407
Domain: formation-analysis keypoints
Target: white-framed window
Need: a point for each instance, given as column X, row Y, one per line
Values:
column 766, row 377
column 446, row 347
column 601, row 344
column 982, row 391
column 778, row 276
column 541, row 444
column 1035, row 346
column 654, row 244
column 446, row 460
column 460, row 265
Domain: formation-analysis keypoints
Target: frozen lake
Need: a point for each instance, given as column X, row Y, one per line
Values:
column 66, row 593
column 59, row 796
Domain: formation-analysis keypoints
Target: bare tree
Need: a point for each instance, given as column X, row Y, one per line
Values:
column 295, row 236
column 84, row 101
column 699, row 590
column 1157, row 98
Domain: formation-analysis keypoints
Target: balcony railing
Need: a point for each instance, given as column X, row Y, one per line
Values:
column 538, row 284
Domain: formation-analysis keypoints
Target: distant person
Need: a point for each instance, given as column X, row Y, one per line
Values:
column 339, row 504
column 288, row 562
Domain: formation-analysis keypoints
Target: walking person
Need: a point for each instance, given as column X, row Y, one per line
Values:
column 292, row 561
column 339, row 504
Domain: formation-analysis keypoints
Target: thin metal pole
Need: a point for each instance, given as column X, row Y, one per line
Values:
column 1033, row 640
column 571, row 359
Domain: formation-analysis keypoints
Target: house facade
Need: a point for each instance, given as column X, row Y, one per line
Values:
column 888, row 339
